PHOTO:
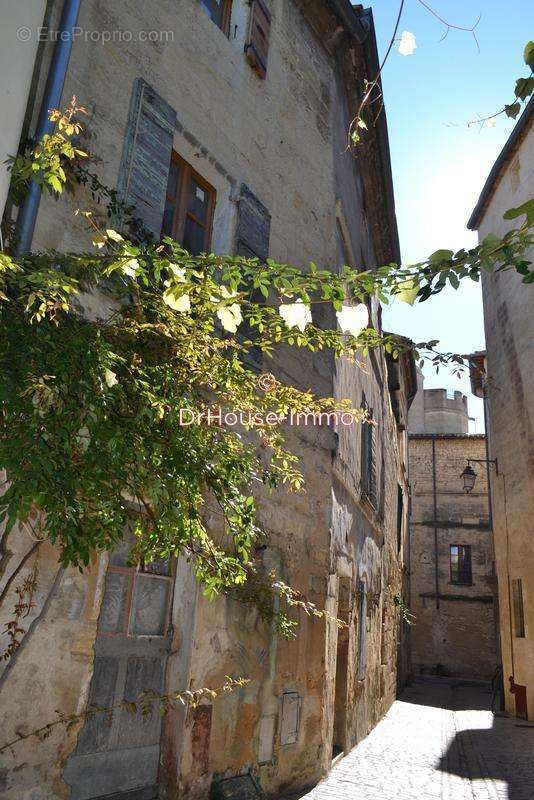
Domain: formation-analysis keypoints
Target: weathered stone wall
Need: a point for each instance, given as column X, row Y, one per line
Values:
column 455, row 627
column 509, row 327
column 52, row 667
column 284, row 138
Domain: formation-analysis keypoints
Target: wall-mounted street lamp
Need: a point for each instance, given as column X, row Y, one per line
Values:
column 469, row 475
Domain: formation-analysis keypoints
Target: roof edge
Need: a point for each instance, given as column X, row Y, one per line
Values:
column 512, row 143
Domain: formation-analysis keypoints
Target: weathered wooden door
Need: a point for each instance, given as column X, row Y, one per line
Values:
column 520, row 701
column 117, row 755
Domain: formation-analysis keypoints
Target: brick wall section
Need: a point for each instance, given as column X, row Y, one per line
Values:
column 458, row 637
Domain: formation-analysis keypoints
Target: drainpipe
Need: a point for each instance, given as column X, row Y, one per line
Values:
column 51, row 99
column 435, row 503
column 486, row 428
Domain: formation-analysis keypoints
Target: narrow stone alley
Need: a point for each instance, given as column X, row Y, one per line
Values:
column 438, row 741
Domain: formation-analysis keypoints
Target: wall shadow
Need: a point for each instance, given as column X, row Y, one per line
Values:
column 503, row 752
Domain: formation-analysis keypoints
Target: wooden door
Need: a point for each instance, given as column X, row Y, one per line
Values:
column 117, row 755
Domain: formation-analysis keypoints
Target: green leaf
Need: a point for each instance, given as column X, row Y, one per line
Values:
column 490, row 241
column 440, row 255
column 524, row 88
column 55, row 183
column 528, row 54
column 512, row 110
column 525, row 208
column 407, row 291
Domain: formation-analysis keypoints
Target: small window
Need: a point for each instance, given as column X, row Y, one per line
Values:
column 257, row 47
column 460, row 555
column 136, row 599
column 519, row 613
column 189, row 207
column 219, row 11
column 368, row 456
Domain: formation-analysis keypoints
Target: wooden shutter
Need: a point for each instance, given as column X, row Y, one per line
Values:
column 368, row 457
column 253, row 226
column 362, row 629
column 519, row 613
column 252, row 241
column 146, row 156
column 257, row 47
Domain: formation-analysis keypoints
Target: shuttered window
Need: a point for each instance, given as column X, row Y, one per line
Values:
column 368, row 456
column 362, row 629
column 144, row 168
column 219, row 11
column 257, row 46
column 519, row 612
column 189, row 207
column 400, row 516
column 460, row 556
column 252, row 241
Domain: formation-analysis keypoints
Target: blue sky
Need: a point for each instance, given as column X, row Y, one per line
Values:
column 439, row 164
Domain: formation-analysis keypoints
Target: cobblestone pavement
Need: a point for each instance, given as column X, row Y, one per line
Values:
column 438, row 742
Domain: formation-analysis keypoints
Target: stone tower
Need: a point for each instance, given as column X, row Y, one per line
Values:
column 438, row 411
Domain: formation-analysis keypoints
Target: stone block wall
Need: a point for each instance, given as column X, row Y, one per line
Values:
column 454, row 632
column 509, row 328
column 282, row 138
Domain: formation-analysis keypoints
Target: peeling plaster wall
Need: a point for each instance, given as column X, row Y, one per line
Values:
column 51, row 669
column 283, row 138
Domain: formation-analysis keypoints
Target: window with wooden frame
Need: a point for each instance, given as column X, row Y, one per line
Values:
column 136, row 599
column 460, row 558
column 518, row 609
column 368, row 455
column 257, row 46
column 220, row 12
column 189, row 207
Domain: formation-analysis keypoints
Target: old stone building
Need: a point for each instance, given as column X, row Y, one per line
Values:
column 243, row 106
column 504, row 376
column 451, row 542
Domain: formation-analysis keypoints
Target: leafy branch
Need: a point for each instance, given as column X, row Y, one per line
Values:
column 372, row 91
column 524, row 88
column 91, row 432
column 145, row 703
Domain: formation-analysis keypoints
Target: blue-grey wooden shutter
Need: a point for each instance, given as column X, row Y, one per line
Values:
column 362, row 629
column 252, row 241
column 253, row 226
column 146, row 156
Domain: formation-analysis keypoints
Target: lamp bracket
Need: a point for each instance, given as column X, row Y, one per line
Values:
column 485, row 461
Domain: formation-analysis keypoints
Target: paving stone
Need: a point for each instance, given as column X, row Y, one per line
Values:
column 439, row 741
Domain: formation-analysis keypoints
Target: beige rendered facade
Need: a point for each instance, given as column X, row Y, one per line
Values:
column 505, row 376
column 19, row 40
column 270, row 152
